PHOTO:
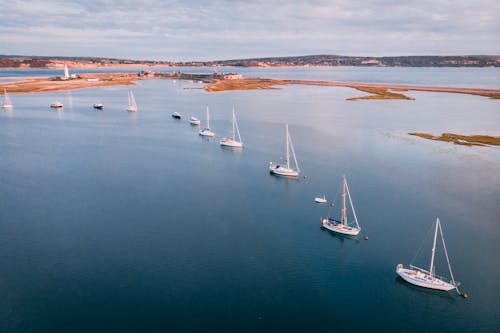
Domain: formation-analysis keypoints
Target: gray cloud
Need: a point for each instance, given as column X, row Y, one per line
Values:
column 180, row 30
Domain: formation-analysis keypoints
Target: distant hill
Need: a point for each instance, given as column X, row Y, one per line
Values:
column 310, row 60
column 403, row 61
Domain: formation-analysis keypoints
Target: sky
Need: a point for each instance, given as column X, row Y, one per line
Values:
column 218, row 30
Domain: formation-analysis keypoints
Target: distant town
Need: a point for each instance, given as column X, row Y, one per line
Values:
column 16, row 61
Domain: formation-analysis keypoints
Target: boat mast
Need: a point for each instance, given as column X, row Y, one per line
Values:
column 431, row 268
column 293, row 153
column 234, row 132
column 352, row 206
column 287, row 149
column 208, row 119
column 447, row 259
column 344, row 209
column 237, row 127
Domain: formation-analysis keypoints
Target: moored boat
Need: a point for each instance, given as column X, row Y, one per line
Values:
column 286, row 170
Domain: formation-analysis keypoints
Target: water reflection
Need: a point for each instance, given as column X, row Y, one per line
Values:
column 70, row 99
column 8, row 112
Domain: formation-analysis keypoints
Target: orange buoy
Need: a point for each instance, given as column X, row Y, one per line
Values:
column 464, row 295
column 366, row 237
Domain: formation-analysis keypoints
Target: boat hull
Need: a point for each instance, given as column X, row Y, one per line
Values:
column 423, row 280
column 283, row 172
column 206, row 132
column 7, row 106
column 132, row 109
column 230, row 143
column 340, row 228
column 320, row 200
column 194, row 121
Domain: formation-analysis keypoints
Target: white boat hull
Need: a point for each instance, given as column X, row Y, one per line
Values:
column 132, row 109
column 320, row 200
column 230, row 143
column 279, row 170
column 194, row 121
column 206, row 132
column 7, row 106
column 340, row 228
column 421, row 279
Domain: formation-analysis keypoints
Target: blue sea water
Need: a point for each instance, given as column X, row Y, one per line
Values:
column 112, row 221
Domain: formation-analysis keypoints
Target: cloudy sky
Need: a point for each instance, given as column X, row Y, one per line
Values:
column 218, row 29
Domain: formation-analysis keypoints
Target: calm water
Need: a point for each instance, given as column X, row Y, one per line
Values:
column 111, row 221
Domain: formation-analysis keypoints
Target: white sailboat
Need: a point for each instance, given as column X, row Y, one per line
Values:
column 286, row 170
column 57, row 105
column 194, row 121
column 321, row 200
column 206, row 131
column 7, row 103
column 428, row 278
column 343, row 226
column 232, row 142
column 132, row 106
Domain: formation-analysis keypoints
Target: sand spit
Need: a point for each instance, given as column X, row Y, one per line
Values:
column 376, row 90
column 44, row 85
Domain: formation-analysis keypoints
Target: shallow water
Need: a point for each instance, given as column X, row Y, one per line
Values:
column 132, row 222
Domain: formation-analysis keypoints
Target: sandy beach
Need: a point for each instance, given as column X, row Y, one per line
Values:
column 44, row 85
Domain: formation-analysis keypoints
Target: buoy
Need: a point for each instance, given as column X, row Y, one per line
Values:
column 366, row 237
column 305, row 177
column 331, row 205
column 464, row 295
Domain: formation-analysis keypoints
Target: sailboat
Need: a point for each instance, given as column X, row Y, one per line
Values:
column 7, row 104
column 343, row 226
column 98, row 105
column 206, row 131
column 194, row 121
column 132, row 106
column 57, row 105
column 428, row 278
column 232, row 142
column 321, row 200
column 286, row 170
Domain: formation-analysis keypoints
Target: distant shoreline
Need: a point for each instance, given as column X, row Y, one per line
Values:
column 376, row 90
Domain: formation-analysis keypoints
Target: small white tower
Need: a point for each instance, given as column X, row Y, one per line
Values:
column 66, row 72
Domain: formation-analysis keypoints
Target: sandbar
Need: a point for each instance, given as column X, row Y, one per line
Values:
column 376, row 90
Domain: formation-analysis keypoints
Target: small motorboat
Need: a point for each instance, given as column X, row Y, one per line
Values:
column 321, row 200
column 98, row 106
column 194, row 121
column 176, row 115
column 56, row 105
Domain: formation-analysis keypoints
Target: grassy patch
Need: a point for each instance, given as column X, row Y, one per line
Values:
column 464, row 140
column 378, row 93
